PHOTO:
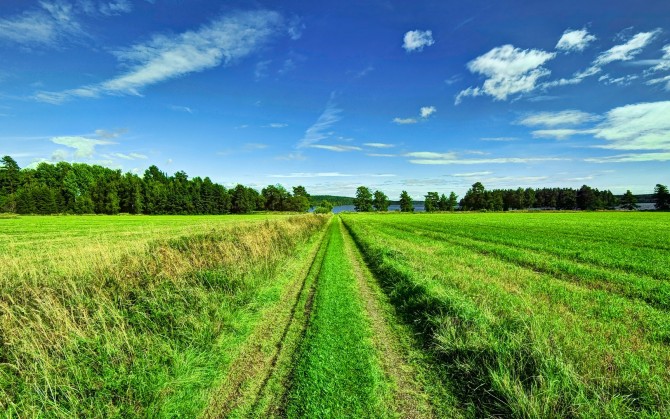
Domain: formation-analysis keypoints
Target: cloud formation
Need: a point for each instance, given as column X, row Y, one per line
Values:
column 85, row 147
column 574, row 40
column 379, row 145
column 320, row 129
column 509, row 71
column 221, row 42
column 640, row 126
column 424, row 113
column 552, row 119
column 417, row 40
column 46, row 26
column 338, row 148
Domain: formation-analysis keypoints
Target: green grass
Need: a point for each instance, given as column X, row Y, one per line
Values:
column 515, row 315
column 152, row 334
column 518, row 340
column 337, row 374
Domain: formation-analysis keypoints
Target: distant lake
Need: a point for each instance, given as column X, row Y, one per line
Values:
column 342, row 208
column 420, row 208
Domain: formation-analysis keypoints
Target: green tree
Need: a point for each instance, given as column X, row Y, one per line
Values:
column 406, row 204
column 276, row 198
column 324, row 207
column 661, row 198
column 363, row 200
column 452, row 202
column 475, row 198
column 432, row 202
column 629, row 201
column 380, row 201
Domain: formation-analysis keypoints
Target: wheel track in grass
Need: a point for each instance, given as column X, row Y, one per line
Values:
column 409, row 400
column 262, row 377
column 247, row 380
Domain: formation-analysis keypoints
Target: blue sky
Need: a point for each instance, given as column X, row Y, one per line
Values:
column 418, row 96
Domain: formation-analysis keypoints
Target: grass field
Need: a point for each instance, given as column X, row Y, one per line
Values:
column 358, row 315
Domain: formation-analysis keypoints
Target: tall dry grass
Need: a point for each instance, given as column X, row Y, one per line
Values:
column 129, row 333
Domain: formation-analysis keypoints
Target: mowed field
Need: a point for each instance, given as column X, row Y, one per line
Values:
column 357, row 315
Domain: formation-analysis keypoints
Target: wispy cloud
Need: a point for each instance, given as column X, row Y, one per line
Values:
column 622, row 52
column 338, row 148
column 433, row 158
column 417, row 40
column 472, row 174
column 116, row 7
column 181, row 109
column 405, row 121
column 552, row 119
column 129, row 156
column 575, row 40
column 85, row 147
column 631, row 158
column 379, row 145
column 424, row 113
column 509, row 71
column 276, row 125
column 320, row 129
column 381, row 155
column 47, row 25
column 640, row 126
column 221, row 42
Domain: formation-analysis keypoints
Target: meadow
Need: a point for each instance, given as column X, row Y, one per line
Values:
column 353, row 315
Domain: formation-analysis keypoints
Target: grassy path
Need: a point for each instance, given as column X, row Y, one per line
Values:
column 330, row 347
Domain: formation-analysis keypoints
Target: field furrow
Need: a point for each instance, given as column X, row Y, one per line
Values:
column 517, row 341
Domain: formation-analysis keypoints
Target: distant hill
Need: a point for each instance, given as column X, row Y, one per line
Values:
column 315, row 200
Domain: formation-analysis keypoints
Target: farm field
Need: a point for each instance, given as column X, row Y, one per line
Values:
column 355, row 315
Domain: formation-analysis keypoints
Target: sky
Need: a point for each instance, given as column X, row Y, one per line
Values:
column 394, row 95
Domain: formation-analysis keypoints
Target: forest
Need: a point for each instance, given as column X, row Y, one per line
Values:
column 78, row 188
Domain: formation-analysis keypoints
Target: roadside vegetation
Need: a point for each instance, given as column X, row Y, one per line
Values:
column 521, row 313
column 148, row 333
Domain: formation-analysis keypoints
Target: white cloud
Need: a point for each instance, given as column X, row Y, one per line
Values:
column 628, row 50
column 277, row 125
column 381, row 155
column 221, row 42
column 664, row 62
column 129, row 156
column 427, row 111
column 509, row 70
column 631, row 158
column 379, row 145
column 430, row 155
column 575, row 40
column 52, row 23
column 640, row 126
column 551, row 119
column 424, row 113
column 338, row 148
column 405, row 121
column 85, row 147
column 559, row 133
column 319, row 130
column 623, row 52
column 417, row 40
column 116, row 7
column 432, row 158
column 472, row 174
column 665, row 79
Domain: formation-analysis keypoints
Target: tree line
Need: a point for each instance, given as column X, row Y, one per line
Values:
column 78, row 188
column 478, row 198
